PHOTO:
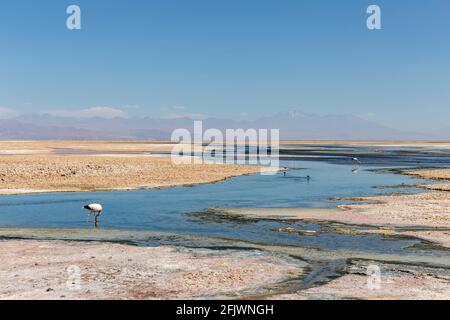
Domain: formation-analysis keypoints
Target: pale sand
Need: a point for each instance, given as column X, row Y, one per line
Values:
column 429, row 209
column 73, row 166
column 431, row 174
column 372, row 143
column 11, row 192
column 437, row 187
column 396, row 282
column 426, row 210
column 46, row 147
column 52, row 173
column 39, row 270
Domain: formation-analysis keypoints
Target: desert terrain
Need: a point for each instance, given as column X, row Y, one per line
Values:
column 41, row 268
column 54, row 166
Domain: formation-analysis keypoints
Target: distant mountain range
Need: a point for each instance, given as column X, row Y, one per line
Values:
column 292, row 125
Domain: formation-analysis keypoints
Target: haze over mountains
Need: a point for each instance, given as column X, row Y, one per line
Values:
column 292, row 125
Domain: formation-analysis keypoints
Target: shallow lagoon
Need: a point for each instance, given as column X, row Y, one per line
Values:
column 169, row 210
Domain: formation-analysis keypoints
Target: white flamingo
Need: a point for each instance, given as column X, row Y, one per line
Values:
column 96, row 209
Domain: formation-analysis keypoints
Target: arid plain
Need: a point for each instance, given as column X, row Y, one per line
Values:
column 35, row 268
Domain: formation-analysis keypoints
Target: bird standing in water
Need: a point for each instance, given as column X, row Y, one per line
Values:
column 96, row 209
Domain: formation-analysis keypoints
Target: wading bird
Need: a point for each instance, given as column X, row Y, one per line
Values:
column 96, row 209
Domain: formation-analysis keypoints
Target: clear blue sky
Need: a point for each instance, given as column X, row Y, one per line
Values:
column 227, row 58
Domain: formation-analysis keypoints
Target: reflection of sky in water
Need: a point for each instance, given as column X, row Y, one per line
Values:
column 370, row 156
column 163, row 210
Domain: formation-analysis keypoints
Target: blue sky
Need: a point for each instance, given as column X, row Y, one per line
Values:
column 233, row 58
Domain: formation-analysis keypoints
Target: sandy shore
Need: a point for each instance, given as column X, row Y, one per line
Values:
column 37, row 167
column 395, row 282
column 75, row 270
column 53, row 173
column 425, row 215
column 48, row 147
column 372, row 143
column 431, row 209
column 38, row 269
column 432, row 174
column 429, row 213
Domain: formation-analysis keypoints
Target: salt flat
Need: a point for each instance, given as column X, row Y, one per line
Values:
column 46, row 166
